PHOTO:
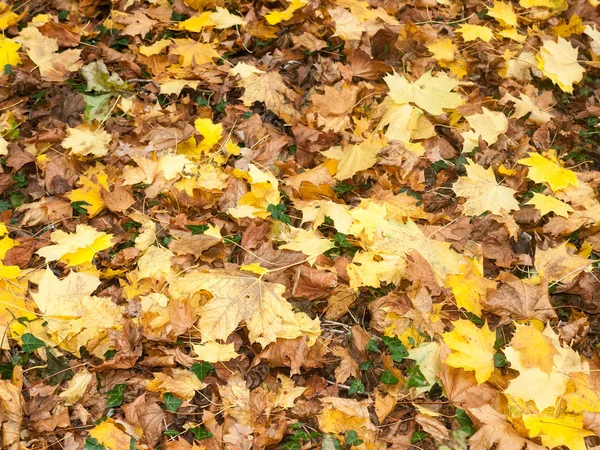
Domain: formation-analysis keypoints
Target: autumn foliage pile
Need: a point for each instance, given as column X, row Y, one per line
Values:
column 336, row 224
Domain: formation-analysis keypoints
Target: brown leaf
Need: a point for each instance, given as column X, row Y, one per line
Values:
column 119, row 199
column 312, row 284
column 518, row 300
column 11, row 412
column 147, row 415
column 286, row 353
column 190, row 244
column 339, row 302
column 433, row 427
column 21, row 254
column 127, row 343
column 497, row 432
column 347, row 367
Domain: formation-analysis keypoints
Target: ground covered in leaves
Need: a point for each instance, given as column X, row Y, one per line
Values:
column 328, row 224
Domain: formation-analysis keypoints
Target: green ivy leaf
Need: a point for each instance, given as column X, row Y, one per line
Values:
column 201, row 369
column 418, row 436
column 197, row 229
column 31, row 343
column 396, row 348
column 499, row 360
column 372, row 346
column 388, row 377
column 171, row 402
column 416, row 378
column 93, row 444
column 115, row 396
column 465, row 422
column 356, row 386
column 278, row 213
column 200, row 433
column 352, row 438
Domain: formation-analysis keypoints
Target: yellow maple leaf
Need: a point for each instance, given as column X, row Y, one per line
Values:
column 274, row 17
column 6, row 243
column 182, row 383
column 43, row 51
column 535, row 383
column 442, row 49
column 527, row 337
column 307, row 242
column 79, row 318
column 489, row 125
column 400, row 239
column 8, row 18
column 76, row 248
column 197, row 23
column 558, row 265
column 472, row 349
column 214, row 352
column 431, row 93
column 554, row 5
column 594, row 34
column 548, row 170
column 471, row 32
column 254, row 268
column 76, row 387
column 546, row 204
column 8, row 52
column 558, row 430
column 110, row 436
column 503, row 13
column 13, row 304
column 269, row 88
column 558, row 61
column 156, row 48
column 86, row 140
column 370, row 269
column 483, row 192
column 224, row 19
column 236, row 297
column 583, row 393
column 193, row 53
column 90, row 193
column 356, row 157
column 566, row 29
column 264, row 191
column 470, row 290
column 210, row 132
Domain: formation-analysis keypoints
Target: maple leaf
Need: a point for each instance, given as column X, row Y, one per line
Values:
column 536, row 383
column 557, row 264
column 442, row 49
column 546, row 204
column 482, row 191
column 76, row 387
column 400, row 239
column 110, row 436
column 470, row 288
column 76, row 248
column 274, row 17
column 358, row 157
column 555, row 430
column 86, row 140
column 236, row 297
column 270, row 89
column 496, row 431
column 431, row 93
column 264, row 191
column 471, row 32
column 558, row 61
column 224, row 19
column 554, row 5
column 548, row 170
column 518, row 300
column 531, row 105
column 43, row 51
column 503, row 13
column 308, row 243
column 182, row 383
column 472, row 349
column 489, row 125
column 79, row 318
column 193, row 53
column 8, row 52
column 213, row 352
column 6, row 243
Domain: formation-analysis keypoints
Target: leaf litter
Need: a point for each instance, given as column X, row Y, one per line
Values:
column 343, row 224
